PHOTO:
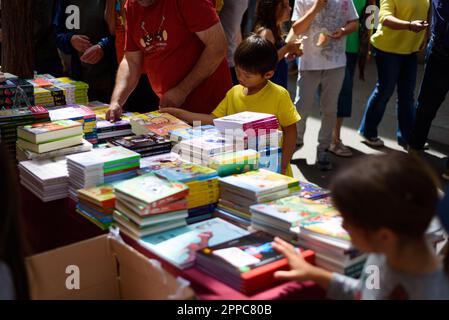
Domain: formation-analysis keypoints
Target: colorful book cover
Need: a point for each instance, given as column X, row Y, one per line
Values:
column 260, row 181
column 291, row 210
column 190, row 133
column 102, row 195
column 151, row 189
column 207, row 145
column 182, row 171
column 141, row 141
column 312, row 191
column 160, row 123
column 107, row 156
column 327, row 224
column 178, row 246
column 71, row 112
column 44, row 127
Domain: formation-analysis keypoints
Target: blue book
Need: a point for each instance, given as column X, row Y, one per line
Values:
column 182, row 171
column 190, row 133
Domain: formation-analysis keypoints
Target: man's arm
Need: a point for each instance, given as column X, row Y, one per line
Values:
column 303, row 23
column 190, row 117
column 288, row 145
column 128, row 75
column 213, row 54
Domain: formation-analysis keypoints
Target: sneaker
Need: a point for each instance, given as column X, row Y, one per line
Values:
column 323, row 160
column 339, row 149
column 446, row 171
column 374, row 142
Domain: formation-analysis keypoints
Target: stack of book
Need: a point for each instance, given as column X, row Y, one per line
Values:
column 202, row 183
column 47, row 179
column 156, row 122
column 201, row 149
column 12, row 118
column 195, row 132
column 239, row 192
column 106, row 129
column 234, row 162
column 247, row 263
column 49, row 136
column 179, row 246
column 250, row 123
column 43, row 97
column 81, row 114
column 7, row 94
column 24, row 154
column 149, row 204
column 311, row 225
column 100, row 166
column 97, row 205
column 79, row 92
column 147, row 145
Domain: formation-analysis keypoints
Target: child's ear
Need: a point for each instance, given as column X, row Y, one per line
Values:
column 269, row 74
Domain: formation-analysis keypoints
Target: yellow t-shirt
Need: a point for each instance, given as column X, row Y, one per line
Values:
column 272, row 99
column 400, row 41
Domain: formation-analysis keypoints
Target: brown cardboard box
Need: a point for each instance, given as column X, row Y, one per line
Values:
column 108, row 269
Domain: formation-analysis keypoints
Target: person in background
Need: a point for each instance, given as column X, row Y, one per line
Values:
column 231, row 18
column 392, row 231
column 345, row 97
column 249, row 18
column 182, row 47
column 142, row 99
column 400, row 35
column 13, row 275
column 325, row 23
column 255, row 60
column 270, row 18
column 435, row 84
column 91, row 46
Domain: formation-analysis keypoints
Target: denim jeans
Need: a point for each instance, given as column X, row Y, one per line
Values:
column 392, row 69
column 434, row 89
column 345, row 97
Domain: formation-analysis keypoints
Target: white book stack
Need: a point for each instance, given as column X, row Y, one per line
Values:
column 47, row 179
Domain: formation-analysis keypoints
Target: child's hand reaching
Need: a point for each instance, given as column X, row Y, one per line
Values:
column 300, row 269
column 171, row 110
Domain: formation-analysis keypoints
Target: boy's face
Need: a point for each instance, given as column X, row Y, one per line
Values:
column 359, row 237
column 252, row 80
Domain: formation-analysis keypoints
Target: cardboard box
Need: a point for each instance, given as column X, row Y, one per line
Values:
column 108, row 270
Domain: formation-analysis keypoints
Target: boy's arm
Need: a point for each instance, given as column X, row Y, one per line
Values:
column 288, row 145
column 303, row 23
column 190, row 117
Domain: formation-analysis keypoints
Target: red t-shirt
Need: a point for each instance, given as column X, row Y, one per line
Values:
column 165, row 32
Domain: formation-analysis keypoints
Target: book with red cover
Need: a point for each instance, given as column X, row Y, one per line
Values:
column 247, row 263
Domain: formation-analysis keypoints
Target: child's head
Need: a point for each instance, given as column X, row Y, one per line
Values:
column 385, row 201
column 255, row 61
column 271, row 14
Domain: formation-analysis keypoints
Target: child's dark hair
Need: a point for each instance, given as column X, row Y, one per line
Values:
column 394, row 190
column 256, row 55
column 12, row 244
column 266, row 17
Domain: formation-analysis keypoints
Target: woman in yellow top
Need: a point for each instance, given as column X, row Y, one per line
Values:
column 400, row 35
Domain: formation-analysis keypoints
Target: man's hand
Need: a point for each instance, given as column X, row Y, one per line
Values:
column 93, row 55
column 114, row 112
column 337, row 35
column 174, row 97
column 80, row 43
column 319, row 5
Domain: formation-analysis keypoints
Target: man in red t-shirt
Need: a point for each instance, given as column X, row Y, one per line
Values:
column 181, row 46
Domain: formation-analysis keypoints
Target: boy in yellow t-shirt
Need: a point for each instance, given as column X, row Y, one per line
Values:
column 255, row 62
